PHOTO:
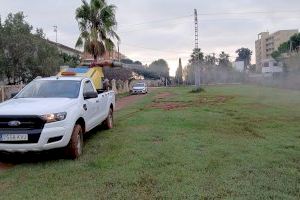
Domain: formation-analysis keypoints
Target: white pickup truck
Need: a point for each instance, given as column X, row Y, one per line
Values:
column 52, row 113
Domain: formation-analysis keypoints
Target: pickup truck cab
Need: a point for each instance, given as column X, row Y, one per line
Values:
column 52, row 113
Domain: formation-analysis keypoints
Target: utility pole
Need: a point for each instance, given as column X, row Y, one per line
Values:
column 55, row 30
column 119, row 51
column 197, row 61
column 196, row 28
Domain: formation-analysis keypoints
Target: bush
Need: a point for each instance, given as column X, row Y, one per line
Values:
column 198, row 90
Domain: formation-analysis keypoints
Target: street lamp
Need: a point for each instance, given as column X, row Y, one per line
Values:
column 55, row 30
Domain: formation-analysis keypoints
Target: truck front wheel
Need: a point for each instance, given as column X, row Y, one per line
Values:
column 75, row 146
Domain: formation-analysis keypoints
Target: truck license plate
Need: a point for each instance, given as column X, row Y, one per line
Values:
column 13, row 137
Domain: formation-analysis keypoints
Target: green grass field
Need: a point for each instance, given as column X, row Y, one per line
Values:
column 230, row 142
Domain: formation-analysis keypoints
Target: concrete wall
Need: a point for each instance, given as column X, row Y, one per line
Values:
column 116, row 85
column 284, row 81
column 6, row 91
column 125, row 86
column 119, row 86
column 292, row 62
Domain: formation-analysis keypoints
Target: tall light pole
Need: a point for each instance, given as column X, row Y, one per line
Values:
column 196, row 28
column 55, row 30
column 197, row 61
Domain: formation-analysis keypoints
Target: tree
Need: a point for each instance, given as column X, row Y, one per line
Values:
column 276, row 55
column 179, row 73
column 224, row 62
column 46, row 59
column 295, row 42
column 146, row 73
column 138, row 63
column 24, row 55
column 127, row 61
column 71, row 61
column 252, row 68
column 1, row 51
column 160, row 67
column 283, row 48
column 210, row 61
column 189, row 74
column 97, row 24
column 197, row 57
column 16, row 45
column 244, row 54
column 118, row 73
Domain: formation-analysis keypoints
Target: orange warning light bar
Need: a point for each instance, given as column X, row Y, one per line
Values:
column 68, row 73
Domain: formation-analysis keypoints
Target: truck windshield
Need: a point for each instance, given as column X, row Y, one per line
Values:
column 139, row 85
column 51, row 89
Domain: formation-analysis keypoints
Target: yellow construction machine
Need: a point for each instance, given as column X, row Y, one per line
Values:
column 92, row 70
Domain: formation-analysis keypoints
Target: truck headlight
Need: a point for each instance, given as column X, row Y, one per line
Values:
column 54, row 117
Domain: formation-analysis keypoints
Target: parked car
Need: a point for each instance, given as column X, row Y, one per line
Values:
column 139, row 88
column 52, row 113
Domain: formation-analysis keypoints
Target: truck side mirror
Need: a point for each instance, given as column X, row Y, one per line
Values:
column 12, row 95
column 90, row 95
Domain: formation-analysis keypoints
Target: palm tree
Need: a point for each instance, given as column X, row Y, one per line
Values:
column 97, row 24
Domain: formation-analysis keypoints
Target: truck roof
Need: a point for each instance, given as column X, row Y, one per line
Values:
column 75, row 78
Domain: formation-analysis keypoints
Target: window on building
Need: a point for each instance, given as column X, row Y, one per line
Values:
column 266, row 64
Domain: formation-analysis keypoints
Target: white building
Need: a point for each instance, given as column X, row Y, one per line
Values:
column 267, row 43
column 270, row 66
column 65, row 49
column 239, row 66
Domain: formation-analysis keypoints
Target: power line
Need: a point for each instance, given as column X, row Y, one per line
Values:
column 158, row 21
column 151, row 28
column 250, row 12
column 152, row 49
column 206, row 20
column 212, row 14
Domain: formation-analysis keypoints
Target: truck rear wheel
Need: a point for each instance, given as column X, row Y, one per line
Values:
column 109, row 121
column 75, row 146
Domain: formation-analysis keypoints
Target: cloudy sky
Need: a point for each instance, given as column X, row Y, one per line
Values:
column 153, row 29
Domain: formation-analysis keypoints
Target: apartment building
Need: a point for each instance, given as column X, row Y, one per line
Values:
column 267, row 43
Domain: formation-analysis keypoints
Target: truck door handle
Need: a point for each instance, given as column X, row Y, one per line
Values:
column 97, row 101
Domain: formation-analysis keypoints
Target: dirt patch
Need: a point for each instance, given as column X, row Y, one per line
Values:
column 157, row 140
column 163, row 95
column 250, row 131
column 212, row 100
column 169, row 105
column 125, row 101
column 4, row 166
column 160, row 103
column 256, row 106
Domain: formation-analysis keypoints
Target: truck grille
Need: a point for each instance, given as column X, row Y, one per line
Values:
column 31, row 125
